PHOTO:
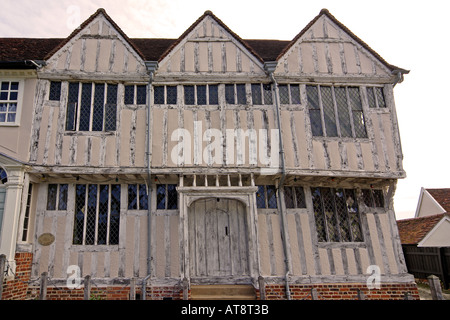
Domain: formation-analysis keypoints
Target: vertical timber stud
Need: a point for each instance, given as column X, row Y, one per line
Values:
column 87, row 287
column 43, row 291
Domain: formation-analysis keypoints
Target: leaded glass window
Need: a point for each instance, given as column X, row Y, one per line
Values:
column 266, row 197
column 165, row 94
column 57, row 197
column 294, row 197
column 91, row 107
column 336, row 215
column 55, row 91
column 336, row 111
column 373, row 198
column 375, row 96
column 137, row 197
column 166, row 197
column 97, row 214
column 235, row 94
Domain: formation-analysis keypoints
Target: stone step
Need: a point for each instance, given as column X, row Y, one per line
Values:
column 223, row 292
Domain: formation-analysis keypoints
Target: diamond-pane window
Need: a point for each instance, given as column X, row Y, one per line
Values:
column 328, row 111
column 96, row 106
column 289, row 197
column 166, row 197
column 261, row 197
column 267, row 93
column 129, row 94
column 271, row 197
column 241, row 94
column 201, row 95
column 55, row 91
column 266, row 197
column 97, row 214
column 158, row 94
column 141, row 94
column 373, row 198
column 57, row 197
column 213, row 94
column 345, row 102
column 284, row 93
column 294, row 197
column 137, row 197
column 171, row 94
column 52, row 196
column 256, row 93
column 314, row 110
column 337, row 215
column 295, row 94
column 189, row 95
column 380, row 97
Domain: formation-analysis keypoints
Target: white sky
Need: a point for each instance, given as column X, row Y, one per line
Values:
column 409, row 34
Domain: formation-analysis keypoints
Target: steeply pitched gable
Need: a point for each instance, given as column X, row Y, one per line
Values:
column 326, row 46
column 209, row 46
column 98, row 45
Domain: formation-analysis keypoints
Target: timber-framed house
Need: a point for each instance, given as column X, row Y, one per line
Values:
column 207, row 160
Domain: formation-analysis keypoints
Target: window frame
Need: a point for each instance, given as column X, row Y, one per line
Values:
column 86, row 212
column 195, row 93
column 337, row 217
column 350, row 112
column 77, row 108
column 135, row 94
column 137, row 196
column 165, row 94
column 375, row 103
column 19, row 102
column 57, row 205
column 266, row 198
column 166, row 196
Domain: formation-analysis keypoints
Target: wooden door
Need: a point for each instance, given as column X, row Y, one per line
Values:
column 218, row 243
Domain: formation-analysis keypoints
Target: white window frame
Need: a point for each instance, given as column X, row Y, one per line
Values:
column 19, row 102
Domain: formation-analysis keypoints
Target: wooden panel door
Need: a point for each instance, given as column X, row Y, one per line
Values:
column 218, row 238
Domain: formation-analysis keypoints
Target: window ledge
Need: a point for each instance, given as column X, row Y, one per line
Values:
column 94, row 248
column 331, row 245
column 90, row 133
column 9, row 124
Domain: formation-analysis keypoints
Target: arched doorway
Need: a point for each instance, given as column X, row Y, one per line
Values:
column 218, row 238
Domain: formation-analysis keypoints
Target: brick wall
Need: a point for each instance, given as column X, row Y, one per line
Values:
column 16, row 289
column 342, row 291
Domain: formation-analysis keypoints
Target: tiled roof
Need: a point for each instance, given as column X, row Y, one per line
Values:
column 442, row 196
column 20, row 49
column 412, row 231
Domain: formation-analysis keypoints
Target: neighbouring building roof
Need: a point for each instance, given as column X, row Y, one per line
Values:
column 442, row 196
column 414, row 230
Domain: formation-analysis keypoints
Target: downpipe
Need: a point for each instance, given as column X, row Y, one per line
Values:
column 280, row 187
column 151, row 68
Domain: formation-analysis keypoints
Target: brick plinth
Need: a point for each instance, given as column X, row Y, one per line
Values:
column 342, row 291
column 16, row 289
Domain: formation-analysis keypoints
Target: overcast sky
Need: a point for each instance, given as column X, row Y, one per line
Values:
column 410, row 34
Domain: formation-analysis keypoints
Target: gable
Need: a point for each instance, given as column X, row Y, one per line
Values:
column 99, row 46
column 326, row 47
column 428, row 205
column 438, row 236
column 209, row 46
